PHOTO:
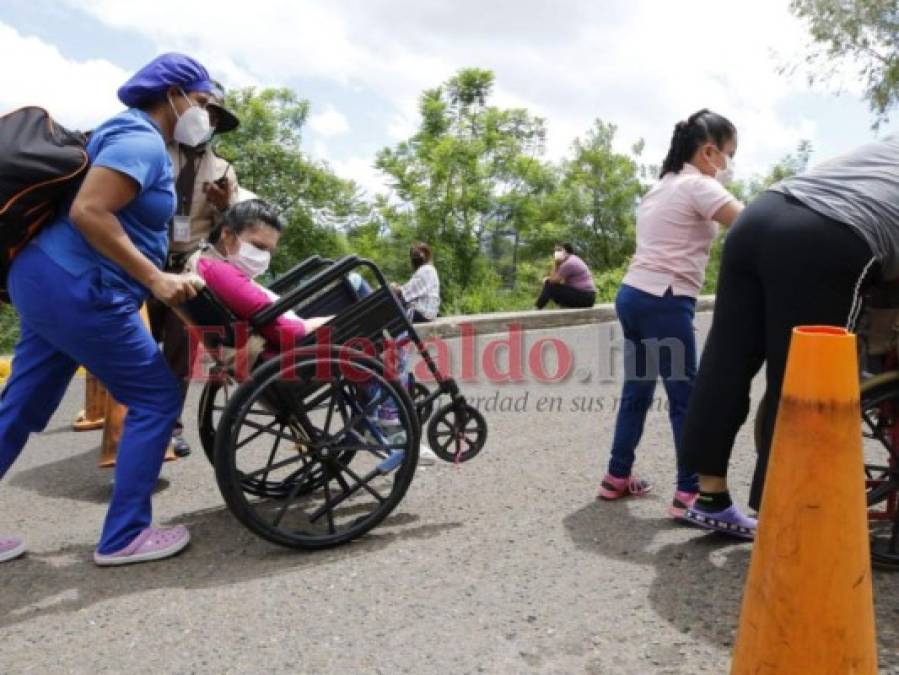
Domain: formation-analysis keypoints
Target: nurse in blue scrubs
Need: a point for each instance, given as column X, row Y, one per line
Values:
column 78, row 288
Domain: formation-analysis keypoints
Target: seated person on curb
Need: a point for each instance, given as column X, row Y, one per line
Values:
column 570, row 284
column 421, row 294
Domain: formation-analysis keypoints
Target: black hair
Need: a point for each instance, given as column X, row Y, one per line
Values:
column 246, row 214
column 565, row 246
column 699, row 128
column 420, row 253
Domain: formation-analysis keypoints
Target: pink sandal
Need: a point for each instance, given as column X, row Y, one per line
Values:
column 613, row 488
column 153, row 543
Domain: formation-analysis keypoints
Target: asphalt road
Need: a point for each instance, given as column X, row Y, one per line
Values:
column 506, row 564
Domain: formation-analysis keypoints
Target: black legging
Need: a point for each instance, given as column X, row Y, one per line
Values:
column 565, row 296
column 783, row 265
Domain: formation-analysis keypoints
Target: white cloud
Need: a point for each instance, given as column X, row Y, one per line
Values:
column 329, row 122
column 362, row 171
column 642, row 64
column 78, row 94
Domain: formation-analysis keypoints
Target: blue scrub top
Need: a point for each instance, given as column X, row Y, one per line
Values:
column 132, row 144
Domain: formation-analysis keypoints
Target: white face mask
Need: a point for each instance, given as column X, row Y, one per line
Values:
column 725, row 176
column 250, row 260
column 559, row 255
column 193, row 127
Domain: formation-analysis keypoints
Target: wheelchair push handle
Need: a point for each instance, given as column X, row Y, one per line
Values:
column 297, row 272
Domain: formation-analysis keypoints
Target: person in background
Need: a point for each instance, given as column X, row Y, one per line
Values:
column 421, row 294
column 570, row 284
column 205, row 185
column 676, row 223
column 78, row 287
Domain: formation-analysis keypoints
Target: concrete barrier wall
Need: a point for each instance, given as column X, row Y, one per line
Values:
column 498, row 322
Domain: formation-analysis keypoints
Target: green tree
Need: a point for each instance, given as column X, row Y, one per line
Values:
column 789, row 165
column 599, row 192
column 463, row 181
column 317, row 205
column 864, row 33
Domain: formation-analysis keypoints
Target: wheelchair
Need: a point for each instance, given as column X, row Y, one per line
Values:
column 299, row 457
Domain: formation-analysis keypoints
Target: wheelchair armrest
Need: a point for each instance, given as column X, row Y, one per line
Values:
column 206, row 311
column 315, row 284
column 297, row 272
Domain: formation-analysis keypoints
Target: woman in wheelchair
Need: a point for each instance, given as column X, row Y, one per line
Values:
column 240, row 250
column 319, row 441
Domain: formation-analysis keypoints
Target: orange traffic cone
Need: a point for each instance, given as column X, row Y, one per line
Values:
column 115, row 420
column 94, row 405
column 808, row 605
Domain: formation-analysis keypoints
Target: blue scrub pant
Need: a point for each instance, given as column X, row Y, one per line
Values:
column 659, row 343
column 67, row 320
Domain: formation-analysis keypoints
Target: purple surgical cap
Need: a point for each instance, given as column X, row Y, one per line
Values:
column 166, row 70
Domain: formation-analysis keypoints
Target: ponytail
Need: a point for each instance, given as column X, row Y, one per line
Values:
column 701, row 127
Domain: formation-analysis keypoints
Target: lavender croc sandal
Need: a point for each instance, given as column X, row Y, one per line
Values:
column 153, row 543
column 730, row 521
column 10, row 547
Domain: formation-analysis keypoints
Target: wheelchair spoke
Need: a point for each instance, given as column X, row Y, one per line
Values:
column 267, row 429
column 338, row 476
column 277, row 465
column 271, row 457
column 361, row 483
column 267, row 413
column 329, row 505
column 327, row 426
column 291, row 497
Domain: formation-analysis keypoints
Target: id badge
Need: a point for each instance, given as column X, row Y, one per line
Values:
column 181, row 232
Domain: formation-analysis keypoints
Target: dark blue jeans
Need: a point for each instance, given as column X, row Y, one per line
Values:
column 659, row 343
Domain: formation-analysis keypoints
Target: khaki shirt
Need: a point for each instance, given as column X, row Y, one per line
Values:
column 203, row 215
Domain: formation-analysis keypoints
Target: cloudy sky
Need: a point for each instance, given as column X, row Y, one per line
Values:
column 642, row 64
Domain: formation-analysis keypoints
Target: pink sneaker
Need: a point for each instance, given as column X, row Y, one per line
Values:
column 614, row 488
column 153, row 543
column 681, row 502
column 10, row 547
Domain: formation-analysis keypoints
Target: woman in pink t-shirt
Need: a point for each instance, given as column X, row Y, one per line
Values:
column 676, row 223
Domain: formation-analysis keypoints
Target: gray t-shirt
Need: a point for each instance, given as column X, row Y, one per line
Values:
column 861, row 189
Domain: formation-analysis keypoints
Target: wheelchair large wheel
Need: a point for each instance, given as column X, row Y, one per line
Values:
column 457, row 432
column 337, row 476
column 212, row 403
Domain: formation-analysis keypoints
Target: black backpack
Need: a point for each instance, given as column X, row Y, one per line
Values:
column 41, row 164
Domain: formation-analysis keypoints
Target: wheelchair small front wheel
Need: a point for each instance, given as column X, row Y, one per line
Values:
column 457, row 432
